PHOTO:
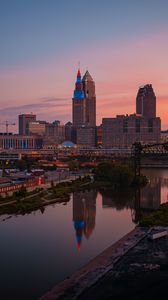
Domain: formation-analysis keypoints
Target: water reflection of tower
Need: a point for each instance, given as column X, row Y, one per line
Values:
column 147, row 199
column 151, row 194
column 84, row 214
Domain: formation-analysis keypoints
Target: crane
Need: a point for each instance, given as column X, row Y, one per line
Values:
column 7, row 124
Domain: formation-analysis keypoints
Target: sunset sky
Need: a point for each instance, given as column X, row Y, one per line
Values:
column 122, row 43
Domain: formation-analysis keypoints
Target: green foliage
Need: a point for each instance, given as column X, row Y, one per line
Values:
column 22, row 207
column 73, row 165
column 158, row 217
column 21, row 192
column 57, row 193
column 115, row 173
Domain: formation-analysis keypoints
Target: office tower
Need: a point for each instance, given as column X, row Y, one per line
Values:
column 24, row 119
column 146, row 101
column 90, row 106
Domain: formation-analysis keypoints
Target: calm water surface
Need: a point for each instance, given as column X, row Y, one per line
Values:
column 40, row 249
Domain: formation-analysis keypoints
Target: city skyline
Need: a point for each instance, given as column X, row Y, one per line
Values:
column 122, row 48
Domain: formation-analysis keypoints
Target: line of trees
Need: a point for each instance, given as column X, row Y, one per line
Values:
column 118, row 174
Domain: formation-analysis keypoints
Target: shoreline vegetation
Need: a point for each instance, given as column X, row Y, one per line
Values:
column 107, row 175
column 158, row 217
column 23, row 202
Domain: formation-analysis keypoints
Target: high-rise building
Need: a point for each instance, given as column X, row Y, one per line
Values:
column 89, row 92
column 84, row 111
column 146, row 101
column 144, row 126
column 24, row 120
column 84, row 101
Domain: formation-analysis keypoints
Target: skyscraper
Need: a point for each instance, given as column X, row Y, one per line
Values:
column 146, row 101
column 84, row 101
column 89, row 92
column 84, row 110
column 24, row 121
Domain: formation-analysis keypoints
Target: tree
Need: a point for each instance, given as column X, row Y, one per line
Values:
column 73, row 165
column 117, row 174
column 21, row 193
column 21, row 165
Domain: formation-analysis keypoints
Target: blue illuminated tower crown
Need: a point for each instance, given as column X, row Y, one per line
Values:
column 78, row 92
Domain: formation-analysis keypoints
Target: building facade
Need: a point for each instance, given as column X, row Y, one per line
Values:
column 123, row 131
column 37, row 128
column 24, row 120
column 15, row 141
column 54, row 133
column 99, row 132
column 68, row 131
column 86, row 136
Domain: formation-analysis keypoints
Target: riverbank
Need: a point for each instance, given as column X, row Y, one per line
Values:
column 133, row 268
column 57, row 192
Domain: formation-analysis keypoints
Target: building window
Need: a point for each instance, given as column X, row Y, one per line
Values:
column 138, row 126
column 150, row 125
column 125, row 126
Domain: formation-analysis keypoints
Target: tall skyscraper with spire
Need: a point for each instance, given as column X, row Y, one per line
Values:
column 84, row 101
column 84, row 109
column 78, row 106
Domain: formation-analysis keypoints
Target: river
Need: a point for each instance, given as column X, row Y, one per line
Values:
column 40, row 249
